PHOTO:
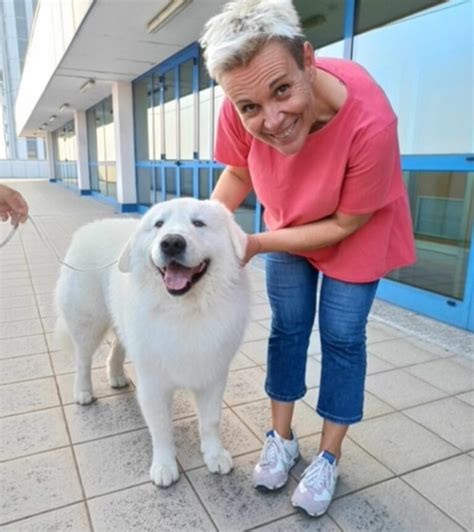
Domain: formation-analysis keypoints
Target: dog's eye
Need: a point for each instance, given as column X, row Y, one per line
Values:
column 198, row 223
column 159, row 223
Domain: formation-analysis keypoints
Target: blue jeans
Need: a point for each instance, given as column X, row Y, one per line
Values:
column 343, row 312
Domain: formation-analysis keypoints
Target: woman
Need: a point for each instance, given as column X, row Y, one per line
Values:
column 317, row 142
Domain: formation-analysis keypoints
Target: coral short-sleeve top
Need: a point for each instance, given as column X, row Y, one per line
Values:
column 351, row 165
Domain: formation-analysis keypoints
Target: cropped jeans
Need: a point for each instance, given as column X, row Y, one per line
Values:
column 343, row 312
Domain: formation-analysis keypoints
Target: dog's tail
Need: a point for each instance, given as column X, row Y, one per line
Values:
column 62, row 338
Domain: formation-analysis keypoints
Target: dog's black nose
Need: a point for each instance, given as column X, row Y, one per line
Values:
column 173, row 245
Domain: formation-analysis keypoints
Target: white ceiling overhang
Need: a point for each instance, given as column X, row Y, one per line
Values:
column 112, row 44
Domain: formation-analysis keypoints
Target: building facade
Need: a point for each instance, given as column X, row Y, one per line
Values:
column 16, row 19
column 129, row 114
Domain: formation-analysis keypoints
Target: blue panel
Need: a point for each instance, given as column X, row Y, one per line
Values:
column 349, row 20
column 86, row 192
column 439, row 163
column 127, row 207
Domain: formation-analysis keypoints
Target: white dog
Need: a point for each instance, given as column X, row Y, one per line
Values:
column 178, row 305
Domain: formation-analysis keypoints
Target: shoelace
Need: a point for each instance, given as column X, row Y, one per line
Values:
column 271, row 451
column 319, row 475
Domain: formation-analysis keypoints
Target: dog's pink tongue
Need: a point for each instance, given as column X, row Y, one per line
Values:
column 177, row 277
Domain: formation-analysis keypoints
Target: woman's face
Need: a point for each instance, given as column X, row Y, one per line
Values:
column 275, row 99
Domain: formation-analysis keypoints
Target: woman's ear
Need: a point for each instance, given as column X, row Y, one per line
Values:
column 124, row 261
column 308, row 55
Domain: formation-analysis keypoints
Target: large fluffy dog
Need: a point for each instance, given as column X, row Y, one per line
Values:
column 177, row 303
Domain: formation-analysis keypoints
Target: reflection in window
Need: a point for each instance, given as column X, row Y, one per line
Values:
column 64, row 141
column 186, row 110
column 424, row 62
column 101, row 143
column 323, row 24
column 442, row 207
column 169, row 99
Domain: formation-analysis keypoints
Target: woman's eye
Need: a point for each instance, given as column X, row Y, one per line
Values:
column 282, row 89
column 249, row 108
column 198, row 223
column 159, row 223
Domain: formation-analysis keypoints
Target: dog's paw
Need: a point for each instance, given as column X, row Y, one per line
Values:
column 219, row 462
column 84, row 398
column 118, row 381
column 164, row 474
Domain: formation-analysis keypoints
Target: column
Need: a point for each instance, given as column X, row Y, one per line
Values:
column 122, row 103
column 82, row 152
column 50, row 156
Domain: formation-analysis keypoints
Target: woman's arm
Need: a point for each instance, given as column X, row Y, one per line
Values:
column 307, row 237
column 232, row 187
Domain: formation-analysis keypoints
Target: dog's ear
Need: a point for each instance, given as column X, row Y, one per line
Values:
column 124, row 263
column 238, row 237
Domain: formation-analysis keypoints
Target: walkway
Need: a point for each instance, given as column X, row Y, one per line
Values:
column 407, row 466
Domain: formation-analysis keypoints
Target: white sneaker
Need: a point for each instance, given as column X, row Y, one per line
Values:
column 277, row 458
column 316, row 489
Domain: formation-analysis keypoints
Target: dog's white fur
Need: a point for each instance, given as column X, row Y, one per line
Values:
column 175, row 341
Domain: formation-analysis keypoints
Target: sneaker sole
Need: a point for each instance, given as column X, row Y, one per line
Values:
column 265, row 489
column 303, row 510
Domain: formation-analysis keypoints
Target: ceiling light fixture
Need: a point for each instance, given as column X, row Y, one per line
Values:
column 63, row 107
column 87, row 85
column 166, row 14
column 52, row 118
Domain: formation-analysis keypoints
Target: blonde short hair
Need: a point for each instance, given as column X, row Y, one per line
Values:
column 233, row 37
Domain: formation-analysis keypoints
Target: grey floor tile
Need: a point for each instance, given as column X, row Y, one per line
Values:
column 240, row 361
column 27, row 345
column 73, row 518
column 32, row 433
column 260, row 311
column 111, row 415
column 401, row 390
column 314, row 347
column 233, row 503
column 15, row 291
column 38, row 483
column 374, row 407
column 63, row 362
column 399, row 443
column 115, row 462
column 357, row 469
column 455, row 477
column 379, row 332
column 313, row 372
column 450, row 418
column 24, row 368
column 255, row 331
column 100, row 382
column 236, row 437
column 257, row 416
column 445, row 375
column 467, row 397
column 406, row 351
column 183, row 404
column 245, row 385
column 17, row 301
column 15, row 282
column 392, row 507
column 300, row 523
column 376, row 364
column 28, row 396
column 256, row 350
column 48, row 323
column 18, row 313
column 148, row 509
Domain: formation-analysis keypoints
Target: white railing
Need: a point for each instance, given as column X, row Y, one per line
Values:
column 23, row 169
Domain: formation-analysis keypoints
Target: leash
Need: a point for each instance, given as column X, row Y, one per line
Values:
column 45, row 241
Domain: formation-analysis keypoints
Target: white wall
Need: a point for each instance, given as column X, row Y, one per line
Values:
column 23, row 169
column 53, row 29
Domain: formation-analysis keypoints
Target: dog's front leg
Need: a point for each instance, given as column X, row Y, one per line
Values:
column 156, row 407
column 209, row 402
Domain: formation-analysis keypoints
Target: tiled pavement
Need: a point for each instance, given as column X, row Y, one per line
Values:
column 407, row 466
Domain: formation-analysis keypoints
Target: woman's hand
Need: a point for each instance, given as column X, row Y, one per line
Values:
column 12, row 206
column 253, row 247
